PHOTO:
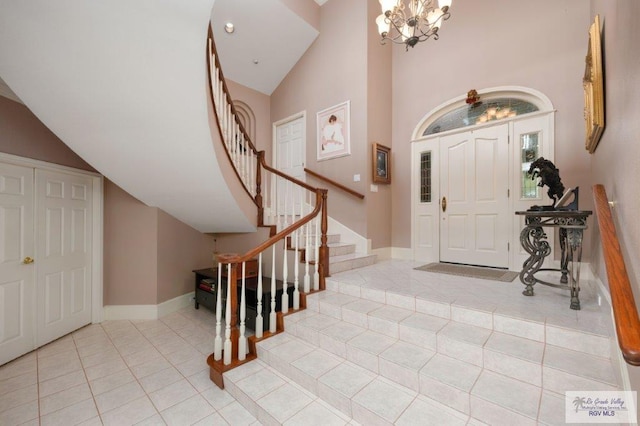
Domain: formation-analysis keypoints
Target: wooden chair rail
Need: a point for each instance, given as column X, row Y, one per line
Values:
column 334, row 183
column 625, row 313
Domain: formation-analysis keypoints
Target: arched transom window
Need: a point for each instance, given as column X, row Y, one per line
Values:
column 485, row 111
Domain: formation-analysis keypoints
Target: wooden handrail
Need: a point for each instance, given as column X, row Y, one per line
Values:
column 625, row 313
column 334, row 183
column 226, row 90
column 239, row 258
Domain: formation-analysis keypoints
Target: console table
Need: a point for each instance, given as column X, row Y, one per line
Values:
column 570, row 225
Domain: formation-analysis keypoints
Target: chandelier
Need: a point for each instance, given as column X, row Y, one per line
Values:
column 409, row 25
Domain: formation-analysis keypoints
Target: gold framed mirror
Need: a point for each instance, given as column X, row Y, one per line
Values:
column 593, row 89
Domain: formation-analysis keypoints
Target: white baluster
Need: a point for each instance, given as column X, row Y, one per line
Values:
column 242, row 340
column 305, row 235
column 293, row 204
column 217, row 341
column 273, row 181
column 285, row 272
column 316, row 275
column 227, row 320
column 296, row 273
column 307, row 255
column 272, row 314
column 259, row 321
column 252, row 175
column 286, row 198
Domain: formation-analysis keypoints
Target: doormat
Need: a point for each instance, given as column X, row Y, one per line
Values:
column 470, row 271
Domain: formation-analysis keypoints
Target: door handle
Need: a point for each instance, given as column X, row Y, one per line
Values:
column 444, row 204
column 27, row 260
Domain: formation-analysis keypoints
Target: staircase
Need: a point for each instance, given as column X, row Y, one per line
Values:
column 385, row 356
column 342, row 255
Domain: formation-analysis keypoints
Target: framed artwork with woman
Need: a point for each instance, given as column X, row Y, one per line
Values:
column 333, row 132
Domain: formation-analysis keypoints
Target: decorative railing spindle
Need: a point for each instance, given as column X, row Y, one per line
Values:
column 217, row 341
column 272, row 313
column 227, row 320
column 259, row 322
column 296, row 273
column 242, row 342
column 316, row 246
column 285, row 273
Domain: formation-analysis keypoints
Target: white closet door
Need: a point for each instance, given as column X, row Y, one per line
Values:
column 17, row 293
column 63, row 226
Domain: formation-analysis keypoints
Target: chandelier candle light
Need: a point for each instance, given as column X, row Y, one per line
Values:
column 408, row 25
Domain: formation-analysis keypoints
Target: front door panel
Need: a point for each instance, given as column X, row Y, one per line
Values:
column 474, row 220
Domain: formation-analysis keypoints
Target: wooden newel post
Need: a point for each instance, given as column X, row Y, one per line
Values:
column 258, row 198
column 324, row 250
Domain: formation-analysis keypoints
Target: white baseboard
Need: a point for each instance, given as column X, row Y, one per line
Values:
column 384, row 253
column 130, row 312
column 402, row 253
column 147, row 312
column 175, row 304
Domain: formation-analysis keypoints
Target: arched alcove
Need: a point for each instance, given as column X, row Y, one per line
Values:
column 247, row 118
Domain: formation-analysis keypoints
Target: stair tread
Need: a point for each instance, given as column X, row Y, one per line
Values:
column 378, row 355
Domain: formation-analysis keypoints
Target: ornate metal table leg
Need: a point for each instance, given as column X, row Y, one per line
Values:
column 574, row 240
column 564, row 255
column 533, row 240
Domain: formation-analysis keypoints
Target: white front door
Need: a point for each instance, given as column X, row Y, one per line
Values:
column 17, row 293
column 289, row 159
column 474, row 219
column 64, row 224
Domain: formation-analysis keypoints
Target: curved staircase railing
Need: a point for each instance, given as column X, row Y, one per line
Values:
column 296, row 214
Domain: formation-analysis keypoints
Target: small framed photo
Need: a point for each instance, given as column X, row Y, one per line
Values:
column 381, row 163
column 333, row 132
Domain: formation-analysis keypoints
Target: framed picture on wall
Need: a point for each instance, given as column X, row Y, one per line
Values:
column 381, row 163
column 593, row 89
column 333, row 132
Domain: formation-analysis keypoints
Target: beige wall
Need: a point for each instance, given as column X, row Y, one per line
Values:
column 616, row 161
column 489, row 44
column 379, row 207
column 130, row 249
column 181, row 249
column 333, row 70
column 148, row 254
column 22, row 134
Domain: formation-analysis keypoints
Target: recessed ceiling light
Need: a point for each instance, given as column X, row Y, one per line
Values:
column 229, row 28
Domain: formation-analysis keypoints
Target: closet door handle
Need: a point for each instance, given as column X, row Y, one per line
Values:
column 444, row 204
column 27, row 260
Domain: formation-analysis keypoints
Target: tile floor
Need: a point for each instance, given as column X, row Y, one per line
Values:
column 154, row 372
column 121, row 373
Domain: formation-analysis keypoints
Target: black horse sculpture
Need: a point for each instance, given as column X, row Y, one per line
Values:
column 550, row 176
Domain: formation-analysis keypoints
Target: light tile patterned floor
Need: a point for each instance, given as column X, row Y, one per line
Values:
column 154, row 372
column 121, row 373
